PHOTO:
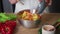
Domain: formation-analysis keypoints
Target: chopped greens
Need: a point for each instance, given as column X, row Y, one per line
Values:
column 4, row 17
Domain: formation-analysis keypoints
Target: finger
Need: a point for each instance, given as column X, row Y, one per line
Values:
column 50, row 2
column 40, row 0
column 21, row 2
column 47, row 1
column 18, row 0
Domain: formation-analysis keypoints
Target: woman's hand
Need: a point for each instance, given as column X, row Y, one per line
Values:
column 13, row 1
column 48, row 2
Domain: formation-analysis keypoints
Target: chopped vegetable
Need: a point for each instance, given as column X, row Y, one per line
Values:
column 4, row 17
column 12, row 16
column 29, row 16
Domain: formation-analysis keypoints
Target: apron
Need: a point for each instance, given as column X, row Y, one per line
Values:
column 28, row 4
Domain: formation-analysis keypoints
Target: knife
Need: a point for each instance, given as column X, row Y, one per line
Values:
column 41, row 7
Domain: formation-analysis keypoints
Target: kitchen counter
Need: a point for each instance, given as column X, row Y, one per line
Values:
column 46, row 19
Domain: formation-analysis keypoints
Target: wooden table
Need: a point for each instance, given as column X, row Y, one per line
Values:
column 46, row 19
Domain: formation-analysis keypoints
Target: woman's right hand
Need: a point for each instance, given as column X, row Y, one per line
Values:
column 13, row 1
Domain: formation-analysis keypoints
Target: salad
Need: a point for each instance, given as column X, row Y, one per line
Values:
column 26, row 15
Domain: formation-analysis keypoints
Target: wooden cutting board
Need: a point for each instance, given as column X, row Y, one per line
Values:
column 46, row 19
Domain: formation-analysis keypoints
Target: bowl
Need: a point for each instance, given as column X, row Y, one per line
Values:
column 28, row 23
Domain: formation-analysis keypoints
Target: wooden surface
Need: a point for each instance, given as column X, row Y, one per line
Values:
column 46, row 19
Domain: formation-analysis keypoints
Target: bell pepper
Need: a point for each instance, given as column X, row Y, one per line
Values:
column 11, row 23
column 8, row 29
column 2, row 30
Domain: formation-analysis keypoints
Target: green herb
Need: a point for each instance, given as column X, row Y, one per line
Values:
column 58, row 20
column 40, row 31
column 4, row 17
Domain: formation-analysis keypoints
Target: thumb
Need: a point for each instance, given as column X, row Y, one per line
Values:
column 48, row 2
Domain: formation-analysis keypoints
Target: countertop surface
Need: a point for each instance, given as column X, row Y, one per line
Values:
column 46, row 19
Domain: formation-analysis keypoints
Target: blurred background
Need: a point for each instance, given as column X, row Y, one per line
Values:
column 5, row 6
